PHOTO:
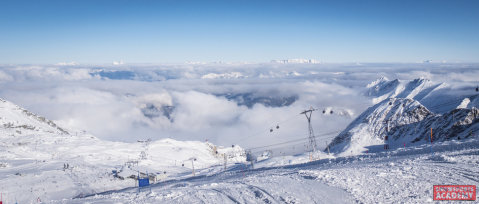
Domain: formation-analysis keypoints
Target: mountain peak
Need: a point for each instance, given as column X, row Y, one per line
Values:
column 417, row 89
column 404, row 121
column 16, row 120
column 377, row 81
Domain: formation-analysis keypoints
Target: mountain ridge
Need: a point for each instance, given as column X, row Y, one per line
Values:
column 404, row 119
column 13, row 118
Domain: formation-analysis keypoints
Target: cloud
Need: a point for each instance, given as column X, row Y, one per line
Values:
column 66, row 63
column 196, row 111
column 49, row 73
column 174, row 101
column 4, row 77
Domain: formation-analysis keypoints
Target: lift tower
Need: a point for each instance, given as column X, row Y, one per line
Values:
column 312, row 140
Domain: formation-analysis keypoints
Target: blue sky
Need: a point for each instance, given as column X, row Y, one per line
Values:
column 255, row 31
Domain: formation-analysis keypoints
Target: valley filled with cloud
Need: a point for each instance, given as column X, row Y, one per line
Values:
column 227, row 104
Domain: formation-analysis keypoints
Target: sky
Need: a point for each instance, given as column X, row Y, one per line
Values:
column 103, row 31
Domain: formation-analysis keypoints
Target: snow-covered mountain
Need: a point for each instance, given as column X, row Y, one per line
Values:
column 296, row 61
column 402, row 117
column 250, row 99
column 419, row 89
column 18, row 121
column 40, row 160
column 374, row 124
column 231, row 75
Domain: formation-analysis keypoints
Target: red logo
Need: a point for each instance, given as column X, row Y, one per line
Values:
column 454, row 192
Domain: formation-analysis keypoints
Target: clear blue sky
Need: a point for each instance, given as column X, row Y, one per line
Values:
column 100, row 31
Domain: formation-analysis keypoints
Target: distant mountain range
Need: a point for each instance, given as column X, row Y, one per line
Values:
column 296, row 61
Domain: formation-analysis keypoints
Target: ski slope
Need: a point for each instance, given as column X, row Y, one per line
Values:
column 404, row 175
column 40, row 161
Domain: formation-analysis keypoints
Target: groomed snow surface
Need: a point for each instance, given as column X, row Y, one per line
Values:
column 404, row 175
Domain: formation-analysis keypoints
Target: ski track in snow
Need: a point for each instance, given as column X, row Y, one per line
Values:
column 404, row 175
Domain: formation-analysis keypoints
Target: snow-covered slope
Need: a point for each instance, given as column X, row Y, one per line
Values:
column 382, row 88
column 56, row 167
column 404, row 121
column 418, row 89
column 231, row 75
column 469, row 102
column 404, row 175
column 39, row 160
column 401, row 116
column 374, row 124
column 18, row 121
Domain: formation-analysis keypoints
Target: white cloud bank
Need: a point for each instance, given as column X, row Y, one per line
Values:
column 157, row 101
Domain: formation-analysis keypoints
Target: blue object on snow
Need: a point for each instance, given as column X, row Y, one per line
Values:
column 143, row 182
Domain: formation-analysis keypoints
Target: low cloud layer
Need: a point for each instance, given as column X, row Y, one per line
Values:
column 225, row 104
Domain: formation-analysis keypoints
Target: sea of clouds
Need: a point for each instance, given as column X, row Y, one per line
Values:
column 222, row 103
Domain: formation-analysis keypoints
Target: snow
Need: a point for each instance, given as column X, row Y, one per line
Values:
column 35, row 152
column 296, row 61
column 464, row 103
column 371, row 127
column 404, row 175
column 420, row 89
column 39, row 160
column 231, row 75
